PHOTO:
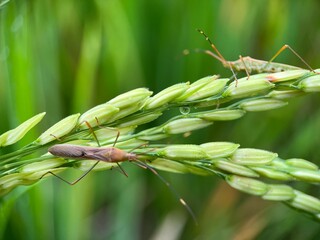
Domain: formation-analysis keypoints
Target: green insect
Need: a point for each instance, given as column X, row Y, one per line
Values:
column 250, row 65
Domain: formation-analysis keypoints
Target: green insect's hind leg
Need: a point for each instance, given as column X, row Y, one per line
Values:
column 284, row 47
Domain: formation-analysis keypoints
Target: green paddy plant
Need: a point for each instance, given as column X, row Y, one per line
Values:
column 106, row 136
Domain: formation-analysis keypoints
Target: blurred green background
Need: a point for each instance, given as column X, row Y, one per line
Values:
column 64, row 57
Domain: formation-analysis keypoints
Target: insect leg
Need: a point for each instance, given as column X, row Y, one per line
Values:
column 92, row 132
column 284, row 47
column 75, row 181
column 108, row 128
column 245, row 66
column 115, row 141
column 55, row 137
column 121, row 169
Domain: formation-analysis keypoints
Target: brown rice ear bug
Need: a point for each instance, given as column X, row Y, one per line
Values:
column 106, row 154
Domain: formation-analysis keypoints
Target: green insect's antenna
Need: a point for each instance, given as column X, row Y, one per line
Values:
column 219, row 56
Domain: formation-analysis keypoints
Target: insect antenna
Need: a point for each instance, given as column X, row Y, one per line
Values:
column 219, row 57
column 198, row 50
column 176, row 194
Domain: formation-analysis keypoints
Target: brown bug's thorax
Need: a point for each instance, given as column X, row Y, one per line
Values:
column 118, row 155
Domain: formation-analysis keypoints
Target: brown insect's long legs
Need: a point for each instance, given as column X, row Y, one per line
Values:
column 83, row 175
column 75, row 181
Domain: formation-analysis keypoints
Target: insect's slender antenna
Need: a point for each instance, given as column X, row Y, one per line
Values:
column 219, row 57
column 198, row 50
column 178, row 197
column 284, row 47
column 213, row 46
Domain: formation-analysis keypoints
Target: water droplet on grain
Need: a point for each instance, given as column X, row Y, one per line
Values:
column 184, row 110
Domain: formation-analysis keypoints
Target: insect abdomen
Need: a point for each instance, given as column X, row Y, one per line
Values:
column 66, row 151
